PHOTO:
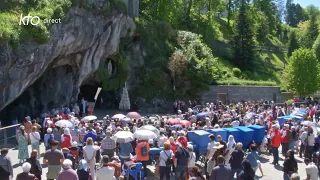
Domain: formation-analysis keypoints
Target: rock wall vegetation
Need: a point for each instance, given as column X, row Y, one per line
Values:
column 59, row 57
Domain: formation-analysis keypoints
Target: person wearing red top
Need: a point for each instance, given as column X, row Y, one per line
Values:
column 275, row 143
column 284, row 139
column 182, row 139
column 66, row 139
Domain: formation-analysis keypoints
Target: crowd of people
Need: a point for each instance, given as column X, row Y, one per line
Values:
column 88, row 150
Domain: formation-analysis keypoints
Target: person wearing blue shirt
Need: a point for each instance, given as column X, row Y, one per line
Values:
column 91, row 134
column 253, row 158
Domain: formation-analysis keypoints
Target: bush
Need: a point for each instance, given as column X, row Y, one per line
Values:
column 236, row 72
column 241, row 82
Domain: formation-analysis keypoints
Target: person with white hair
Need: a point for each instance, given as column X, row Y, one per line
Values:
column 25, row 175
column 67, row 171
column 48, row 137
column 285, row 138
column 66, row 139
column 275, row 143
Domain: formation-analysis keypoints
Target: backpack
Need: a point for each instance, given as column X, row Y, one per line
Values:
column 50, row 140
column 144, row 151
column 169, row 161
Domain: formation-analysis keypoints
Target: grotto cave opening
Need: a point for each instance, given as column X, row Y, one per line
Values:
column 53, row 89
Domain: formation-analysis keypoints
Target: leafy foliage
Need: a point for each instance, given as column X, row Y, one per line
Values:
column 302, row 73
column 192, row 65
column 11, row 31
column 293, row 43
column 316, row 47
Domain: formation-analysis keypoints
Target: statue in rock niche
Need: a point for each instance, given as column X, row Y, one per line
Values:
column 110, row 68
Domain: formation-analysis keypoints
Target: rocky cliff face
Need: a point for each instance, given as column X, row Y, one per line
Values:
column 74, row 52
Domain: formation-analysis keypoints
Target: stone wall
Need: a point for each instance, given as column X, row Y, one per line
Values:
column 247, row 93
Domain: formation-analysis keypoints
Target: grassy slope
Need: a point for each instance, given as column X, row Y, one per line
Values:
column 268, row 75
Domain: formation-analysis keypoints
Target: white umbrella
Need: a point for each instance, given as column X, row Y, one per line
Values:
column 118, row 116
column 89, row 118
column 64, row 123
column 151, row 128
column 144, row 134
column 308, row 123
column 123, row 137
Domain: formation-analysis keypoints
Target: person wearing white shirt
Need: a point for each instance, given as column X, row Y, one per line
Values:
column 35, row 139
column 311, row 170
column 210, row 152
column 105, row 172
column 303, row 144
column 165, row 168
column 89, row 153
column 192, row 158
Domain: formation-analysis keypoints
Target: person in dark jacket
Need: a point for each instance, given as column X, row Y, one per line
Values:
column 26, row 175
column 247, row 173
column 36, row 168
column 221, row 171
column 236, row 159
column 290, row 165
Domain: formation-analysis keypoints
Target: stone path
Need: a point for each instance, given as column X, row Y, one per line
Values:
column 271, row 172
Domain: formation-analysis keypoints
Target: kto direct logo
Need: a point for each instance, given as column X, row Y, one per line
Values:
column 34, row 20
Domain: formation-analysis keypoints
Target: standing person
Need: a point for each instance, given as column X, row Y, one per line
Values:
column 236, row 159
column 304, row 142
column 84, row 105
column 91, row 134
column 25, row 175
column 57, row 136
column 253, row 157
column 23, row 145
column 75, row 134
column 295, row 138
column 89, row 154
column 181, row 162
column 222, row 142
column 27, row 124
column 106, row 171
column 142, row 154
column 83, row 172
column 310, row 143
column 6, row 169
column 192, row 160
column 165, row 160
column 247, row 173
column 275, row 143
column 108, row 145
column 36, row 167
column 221, row 171
column 66, row 139
column 124, row 152
column 35, row 140
column 230, row 148
column 54, row 159
column 48, row 138
column 76, row 110
column 67, row 171
column 209, row 155
column 285, row 133
column 290, row 165
column 311, row 170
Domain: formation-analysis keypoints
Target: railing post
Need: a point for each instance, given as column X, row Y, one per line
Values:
column 5, row 138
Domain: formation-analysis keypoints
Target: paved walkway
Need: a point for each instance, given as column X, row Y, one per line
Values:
column 271, row 172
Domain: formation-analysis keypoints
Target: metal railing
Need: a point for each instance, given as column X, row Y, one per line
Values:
column 8, row 136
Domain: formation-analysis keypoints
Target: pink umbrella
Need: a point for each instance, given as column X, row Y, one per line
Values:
column 134, row 115
column 185, row 123
column 173, row 121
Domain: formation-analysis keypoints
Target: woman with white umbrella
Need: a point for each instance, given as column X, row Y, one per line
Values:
column 125, row 148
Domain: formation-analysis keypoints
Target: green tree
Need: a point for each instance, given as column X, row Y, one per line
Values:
column 293, row 43
column 312, row 31
column 294, row 14
column 316, row 47
column 302, row 73
column 243, row 41
column 192, row 66
column 269, row 9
